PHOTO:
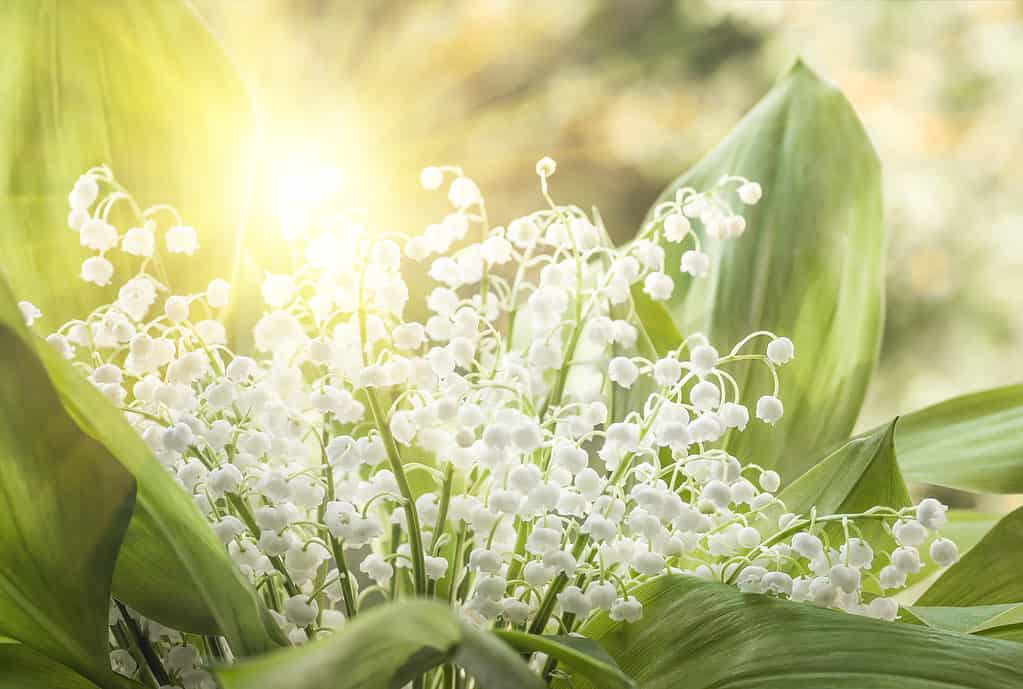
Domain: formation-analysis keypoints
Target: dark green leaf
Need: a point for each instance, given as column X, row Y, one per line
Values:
column 809, row 267
column 974, row 442
column 701, row 635
column 987, row 575
column 65, row 504
column 141, row 85
column 386, row 647
column 583, row 658
column 23, row 668
column 171, row 567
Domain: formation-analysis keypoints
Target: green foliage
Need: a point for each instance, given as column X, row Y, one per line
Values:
column 583, row 658
column 171, row 566
column 860, row 474
column 139, row 84
column 810, row 266
column 973, row 442
column 66, row 504
column 23, row 668
column 997, row 621
column 383, row 648
column 700, row 635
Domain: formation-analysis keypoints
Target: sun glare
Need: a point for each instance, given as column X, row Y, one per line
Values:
column 301, row 187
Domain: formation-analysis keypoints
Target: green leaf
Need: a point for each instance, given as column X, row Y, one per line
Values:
column 23, row 668
column 65, row 504
column 386, row 647
column 141, row 85
column 973, row 442
column 656, row 321
column 171, row 566
column 583, row 658
column 995, row 621
column 987, row 575
column 810, row 266
column 964, row 620
column 858, row 475
column 702, row 635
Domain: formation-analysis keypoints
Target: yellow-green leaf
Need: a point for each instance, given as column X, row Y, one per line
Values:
column 387, row 647
column 171, row 566
column 65, row 503
column 809, row 267
column 141, row 85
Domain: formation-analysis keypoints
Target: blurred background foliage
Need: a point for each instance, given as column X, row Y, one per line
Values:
column 627, row 94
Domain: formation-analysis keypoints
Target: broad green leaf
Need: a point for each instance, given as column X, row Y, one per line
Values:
column 702, row 635
column 65, row 504
column 987, row 575
column 583, row 658
column 859, row 475
column 809, row 267
column 386, row 647
column 973, row 442
column 171, row 566
column 140, row 85
column 23, row 668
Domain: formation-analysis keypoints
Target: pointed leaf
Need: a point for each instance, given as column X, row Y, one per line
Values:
column 583, row 658
column 995, row 621
column 859, row 475
column 386, row 647
column 140, row 85
column 973, row 442
column 65, row 504
column 810, row 266
column 171, row 567
column 722, row 639
column 965, row 619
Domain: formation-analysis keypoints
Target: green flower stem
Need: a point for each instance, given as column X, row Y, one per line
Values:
column 798, row 525
column 336, row 547
column 550, row 598
column 522, row 534
column 345, row 578
column 442, row 517
column 394, row 458
column 216, row 648
column 245, row 514
column 456, row 564
column 139, row 643
column 445, row 502
column 411, row 514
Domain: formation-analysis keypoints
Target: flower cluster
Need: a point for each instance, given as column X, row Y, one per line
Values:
column 521, row 450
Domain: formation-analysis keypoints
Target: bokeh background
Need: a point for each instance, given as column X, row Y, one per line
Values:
column 626, row 94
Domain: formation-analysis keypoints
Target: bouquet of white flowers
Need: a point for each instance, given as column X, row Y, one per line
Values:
column 496, row 455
